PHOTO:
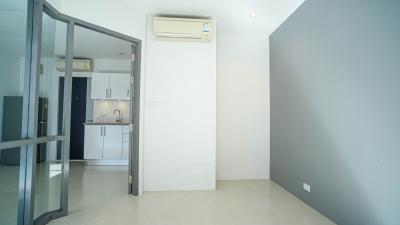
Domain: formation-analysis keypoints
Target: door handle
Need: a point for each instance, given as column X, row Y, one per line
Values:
column 128, row 93
column 101, row 131
column 110, row 93
column 105, row 131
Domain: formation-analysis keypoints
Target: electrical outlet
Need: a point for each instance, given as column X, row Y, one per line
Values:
column 307, row 187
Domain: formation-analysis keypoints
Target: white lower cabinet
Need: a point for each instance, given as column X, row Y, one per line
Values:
column 125, row 142
column 93, row 142
column 106, row 142
column 112, row 142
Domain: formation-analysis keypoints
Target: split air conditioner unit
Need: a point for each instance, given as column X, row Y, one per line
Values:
column 183, row 29
column 78, row 65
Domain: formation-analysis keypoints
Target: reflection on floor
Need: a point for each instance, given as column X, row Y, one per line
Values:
column 47, row 190
column 47, row 187
column 9, row 176
column 98, row 197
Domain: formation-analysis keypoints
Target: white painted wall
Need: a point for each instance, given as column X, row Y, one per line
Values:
column 190, row 130
column 180, row 121
column 242, row 65
column 242, row 107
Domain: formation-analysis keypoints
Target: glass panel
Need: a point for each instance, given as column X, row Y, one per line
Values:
column 9, row 182
column 48, row 186
column 109, row 95
column 49, row 169
column 13, row 19
column 52, row 60
column 13, row 32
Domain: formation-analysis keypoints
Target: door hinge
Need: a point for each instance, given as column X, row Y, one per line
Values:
column 131, row 127
column 133, row 57
column 130, row 179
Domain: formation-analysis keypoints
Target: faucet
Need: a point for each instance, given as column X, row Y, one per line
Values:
column 118, row 120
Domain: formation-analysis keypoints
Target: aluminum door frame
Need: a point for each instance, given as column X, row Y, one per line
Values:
column 133, row 179
column 29, row 139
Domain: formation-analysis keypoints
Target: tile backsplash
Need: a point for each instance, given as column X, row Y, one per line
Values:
column 103, row 110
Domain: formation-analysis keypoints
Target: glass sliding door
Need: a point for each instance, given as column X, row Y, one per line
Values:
column 49, row 165
column 50, row 162
column 32, row 132
column 14, row 30
column 36, row 50
column 48, row 182
column 52, row 62
column 9, row 183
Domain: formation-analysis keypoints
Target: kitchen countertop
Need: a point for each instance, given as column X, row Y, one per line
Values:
column 106, row 123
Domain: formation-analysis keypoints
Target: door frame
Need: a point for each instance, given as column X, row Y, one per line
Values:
column 133, row 172
column 136, row 44
column 29, row 138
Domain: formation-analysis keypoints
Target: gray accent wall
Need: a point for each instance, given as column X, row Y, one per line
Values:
column 335, row 108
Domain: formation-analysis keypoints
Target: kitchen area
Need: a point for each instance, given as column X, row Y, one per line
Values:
column 106, row 139
column 101, row 99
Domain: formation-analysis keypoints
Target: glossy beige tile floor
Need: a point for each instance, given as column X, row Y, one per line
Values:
column 98, row 197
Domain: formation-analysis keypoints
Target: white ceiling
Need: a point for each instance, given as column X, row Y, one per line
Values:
column 90, row 44
column 231, row 15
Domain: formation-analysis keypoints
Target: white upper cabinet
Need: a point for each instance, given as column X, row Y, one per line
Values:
column 120, row 85
column 110, row 86
column 100, row 85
